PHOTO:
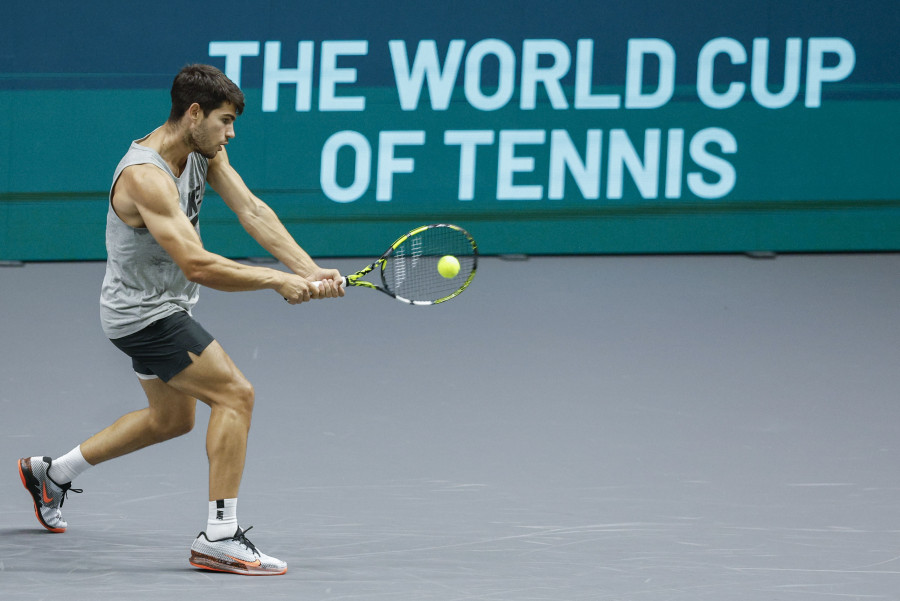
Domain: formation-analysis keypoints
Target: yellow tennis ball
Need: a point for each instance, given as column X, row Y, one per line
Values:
column 448, row 266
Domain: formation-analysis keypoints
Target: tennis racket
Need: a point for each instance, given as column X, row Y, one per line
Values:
column 409, row 268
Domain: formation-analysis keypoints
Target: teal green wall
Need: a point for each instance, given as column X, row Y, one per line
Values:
column 807, row 180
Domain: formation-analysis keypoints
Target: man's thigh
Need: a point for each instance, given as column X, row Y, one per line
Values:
column 212, row 377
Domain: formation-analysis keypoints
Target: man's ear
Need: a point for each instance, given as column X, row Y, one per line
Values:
column 195, row 112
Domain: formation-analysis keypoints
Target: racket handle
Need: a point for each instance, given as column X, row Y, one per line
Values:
column 318, row 283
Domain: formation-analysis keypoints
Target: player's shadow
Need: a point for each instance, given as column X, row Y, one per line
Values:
column 4, row 532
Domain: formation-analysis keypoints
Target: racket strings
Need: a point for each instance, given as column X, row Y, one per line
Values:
column 411, row 271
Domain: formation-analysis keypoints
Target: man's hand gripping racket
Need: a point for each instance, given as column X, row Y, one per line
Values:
column 410, row 270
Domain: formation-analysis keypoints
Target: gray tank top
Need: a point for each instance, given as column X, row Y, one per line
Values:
column 142, row 283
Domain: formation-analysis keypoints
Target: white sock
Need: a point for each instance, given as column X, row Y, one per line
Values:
column 222, row 522
column 66, row 468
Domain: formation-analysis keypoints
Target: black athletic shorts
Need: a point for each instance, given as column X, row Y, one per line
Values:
column 161, row 349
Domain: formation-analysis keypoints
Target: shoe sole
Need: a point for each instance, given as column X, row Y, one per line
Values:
column 32, row 486
column 205, row 562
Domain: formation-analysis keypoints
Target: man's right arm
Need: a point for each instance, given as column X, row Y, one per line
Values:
column 145, row 197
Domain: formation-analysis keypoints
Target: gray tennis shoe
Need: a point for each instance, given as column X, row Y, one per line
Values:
column 236, row 555
column 48, row 496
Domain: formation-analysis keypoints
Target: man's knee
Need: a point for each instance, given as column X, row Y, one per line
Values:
column 237, row 396
column 244, row 394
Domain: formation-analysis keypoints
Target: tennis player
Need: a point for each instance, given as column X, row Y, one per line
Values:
column 155, row 267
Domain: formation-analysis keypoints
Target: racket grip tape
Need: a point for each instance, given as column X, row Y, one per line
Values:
column 343, row 282
column 318, row 283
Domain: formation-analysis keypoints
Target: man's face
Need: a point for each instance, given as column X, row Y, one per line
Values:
column 212, row 132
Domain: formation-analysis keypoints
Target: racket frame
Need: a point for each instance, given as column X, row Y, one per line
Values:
column 355, row 279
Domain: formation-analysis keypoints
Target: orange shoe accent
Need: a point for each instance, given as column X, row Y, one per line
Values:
column 249, row 564
column 22, row 474
column 205, row 562
column 47, row 499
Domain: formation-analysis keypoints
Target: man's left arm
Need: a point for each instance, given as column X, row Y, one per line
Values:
column 261, row 222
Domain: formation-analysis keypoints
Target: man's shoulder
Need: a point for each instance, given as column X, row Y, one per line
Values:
column 144, row 184
column 144, row 174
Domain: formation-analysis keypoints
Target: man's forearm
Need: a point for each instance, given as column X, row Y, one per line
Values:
column 265, row 227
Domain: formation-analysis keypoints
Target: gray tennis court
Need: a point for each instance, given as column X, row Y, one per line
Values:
column 658, row 428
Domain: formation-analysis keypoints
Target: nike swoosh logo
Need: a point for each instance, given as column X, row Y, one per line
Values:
column 249, row 564
column 47, row 499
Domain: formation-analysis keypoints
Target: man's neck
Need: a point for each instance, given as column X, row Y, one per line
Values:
column 169, row 142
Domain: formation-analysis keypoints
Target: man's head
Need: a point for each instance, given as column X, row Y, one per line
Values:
column 206, row 86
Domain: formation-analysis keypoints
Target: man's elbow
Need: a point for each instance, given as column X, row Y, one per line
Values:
column 199, row 270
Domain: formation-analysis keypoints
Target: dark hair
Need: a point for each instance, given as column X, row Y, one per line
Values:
column 205, row 85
